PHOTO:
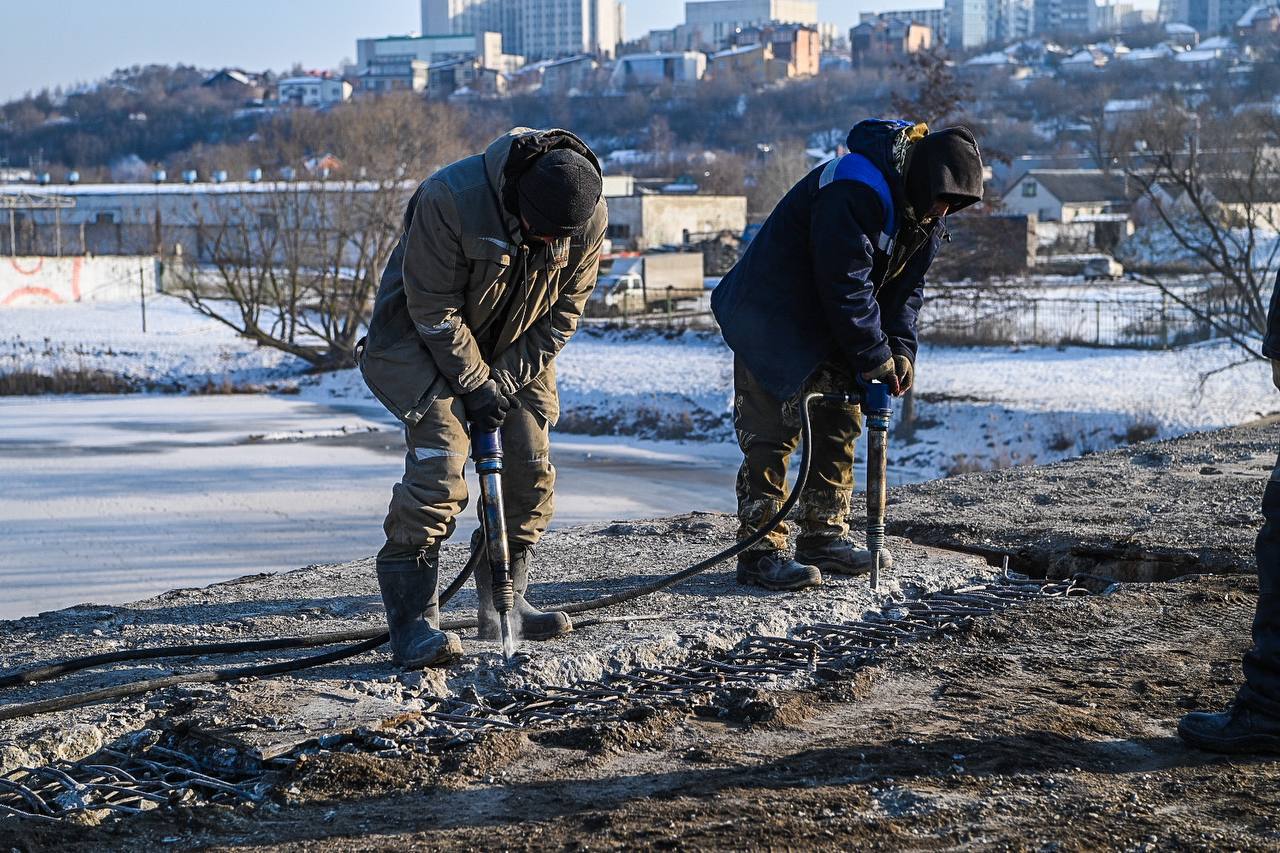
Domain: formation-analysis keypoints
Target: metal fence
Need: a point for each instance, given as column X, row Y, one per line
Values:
column 650, row 305
column 984, row 319
column 987, row 318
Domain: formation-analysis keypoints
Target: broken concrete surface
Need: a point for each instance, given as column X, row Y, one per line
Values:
column 1147, row 512
column 1054, row 515
column 707, row 613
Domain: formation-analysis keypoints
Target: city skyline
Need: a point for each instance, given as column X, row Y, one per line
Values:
column 87, row 39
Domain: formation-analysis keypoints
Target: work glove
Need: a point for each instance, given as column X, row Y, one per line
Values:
column 905, row 371
column 885, row 373
column 1275, row 373
column 487, row 406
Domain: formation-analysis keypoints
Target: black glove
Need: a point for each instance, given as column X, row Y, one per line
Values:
column 487, row 406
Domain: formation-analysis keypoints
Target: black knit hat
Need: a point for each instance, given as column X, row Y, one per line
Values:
column 944, row 165
column 559, row 193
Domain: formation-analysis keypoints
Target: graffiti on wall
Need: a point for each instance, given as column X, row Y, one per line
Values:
column 33, row 280
column 62, row 281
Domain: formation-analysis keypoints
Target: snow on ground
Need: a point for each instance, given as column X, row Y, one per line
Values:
column 978, row 407
column 113, row 498
column 181, row 350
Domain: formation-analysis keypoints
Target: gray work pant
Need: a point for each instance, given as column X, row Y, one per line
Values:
column 426, row 502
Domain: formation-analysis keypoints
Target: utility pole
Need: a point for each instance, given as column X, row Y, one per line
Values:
column 142, row 292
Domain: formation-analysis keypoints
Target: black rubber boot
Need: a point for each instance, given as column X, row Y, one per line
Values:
column 410, row 595
column 839, row 556
column 775, row 570
column 527, row 621
column 1241, row 729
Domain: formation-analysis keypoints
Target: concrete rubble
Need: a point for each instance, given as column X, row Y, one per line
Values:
column 1163, row 509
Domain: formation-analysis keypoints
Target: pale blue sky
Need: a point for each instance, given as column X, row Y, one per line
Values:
column 62, row 42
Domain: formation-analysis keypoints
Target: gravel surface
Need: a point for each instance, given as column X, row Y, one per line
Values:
column 1147, row 512
column 1048, row 726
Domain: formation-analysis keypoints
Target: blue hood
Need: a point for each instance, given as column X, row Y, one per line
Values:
column 884, row 143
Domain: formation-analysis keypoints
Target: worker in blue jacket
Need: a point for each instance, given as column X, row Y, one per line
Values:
column 827, row 294
column 1252, row 723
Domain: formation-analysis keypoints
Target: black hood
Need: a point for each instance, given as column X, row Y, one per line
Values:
column 944, row 165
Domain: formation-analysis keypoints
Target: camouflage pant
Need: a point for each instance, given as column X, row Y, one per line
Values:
column 768, row 432
column 427, row 500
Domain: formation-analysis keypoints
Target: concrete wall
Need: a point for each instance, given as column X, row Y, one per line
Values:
column 57, row 281
column 985, row 246
column 644, row 221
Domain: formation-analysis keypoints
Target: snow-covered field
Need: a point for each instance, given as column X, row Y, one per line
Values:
column 111, row 498
column 181, row 350
column 977, row 407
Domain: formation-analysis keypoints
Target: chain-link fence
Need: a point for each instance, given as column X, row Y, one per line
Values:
column 984, row 319
column 997, row 319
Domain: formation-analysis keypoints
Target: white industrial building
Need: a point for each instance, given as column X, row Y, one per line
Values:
column 136, row 219
column 535, row 29
column 313, row 91
column 486, row 46
column 655, row 69
column 649, row 220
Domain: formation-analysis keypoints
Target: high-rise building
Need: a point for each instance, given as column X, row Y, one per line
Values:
column 968, row 23
column 714, row 21
column 536, row 29
column 972, row 24
column 1079, row 17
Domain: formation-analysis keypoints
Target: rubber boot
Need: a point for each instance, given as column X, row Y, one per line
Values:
column 775, row 570
column 840, row 556
column 411, row 597
column 527, row 621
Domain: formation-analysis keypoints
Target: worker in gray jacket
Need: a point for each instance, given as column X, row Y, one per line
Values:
column 498, row 256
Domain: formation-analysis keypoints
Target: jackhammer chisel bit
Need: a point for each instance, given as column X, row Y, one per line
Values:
column 486, row 450
column 877, row 406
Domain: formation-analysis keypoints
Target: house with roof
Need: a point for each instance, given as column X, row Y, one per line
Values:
column 316, row 90
column 1069, row 195
column 237, row 81
column 1261, row 21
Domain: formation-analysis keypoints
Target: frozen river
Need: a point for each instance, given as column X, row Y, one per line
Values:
column 111, row 499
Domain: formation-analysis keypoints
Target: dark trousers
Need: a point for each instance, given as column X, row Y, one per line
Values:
column 1262, row 662
column 768, row 432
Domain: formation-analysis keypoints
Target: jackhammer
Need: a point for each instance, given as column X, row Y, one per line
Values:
column 486, row 451
column 877, row 406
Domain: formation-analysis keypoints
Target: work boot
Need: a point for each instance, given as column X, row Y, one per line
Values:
column 1241, row 729
column 527, row 621
column 775, row 570
column 410, row 595
column 839, row 556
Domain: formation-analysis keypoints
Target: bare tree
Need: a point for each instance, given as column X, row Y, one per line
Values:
column 932, row 91
column 1211, row 189
column 778, row 168
column 295, row 264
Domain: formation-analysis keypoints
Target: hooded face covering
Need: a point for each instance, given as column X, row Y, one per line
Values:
column 946, row 166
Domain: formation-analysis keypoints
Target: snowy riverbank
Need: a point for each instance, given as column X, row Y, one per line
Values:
column 977, row 407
